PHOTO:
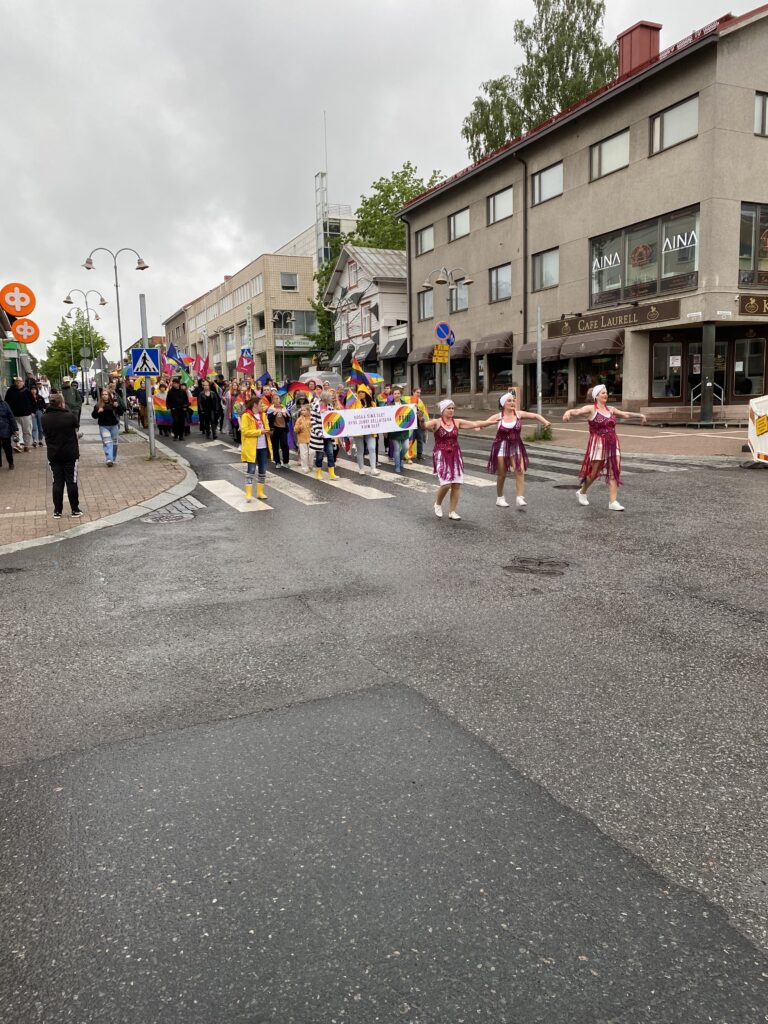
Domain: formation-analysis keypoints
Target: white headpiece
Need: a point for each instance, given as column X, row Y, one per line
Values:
column 596, row 391
column 442, row 406
column 504, row 398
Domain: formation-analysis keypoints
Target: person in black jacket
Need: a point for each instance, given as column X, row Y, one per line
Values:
column 177, row 403
column 208, row 408
column 8, row 427
column 107, row 413
column 60, row 429
column 23, row 408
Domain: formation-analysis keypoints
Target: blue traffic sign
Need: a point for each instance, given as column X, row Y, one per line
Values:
column 146, row 362
column 74, row 368
column 443, row 331
column 451, row 338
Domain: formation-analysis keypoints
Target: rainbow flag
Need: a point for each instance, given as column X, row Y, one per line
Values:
column 297, row 386
column 375, row 378
column 358, row 374
column 193, row 417
column 162, row 417
column 411, row 453
column 351, row 402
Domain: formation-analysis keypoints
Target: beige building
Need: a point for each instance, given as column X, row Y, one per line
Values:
column 635, row 224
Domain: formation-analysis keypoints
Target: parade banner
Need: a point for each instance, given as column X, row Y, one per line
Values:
column 757, row 431
column 385, row 419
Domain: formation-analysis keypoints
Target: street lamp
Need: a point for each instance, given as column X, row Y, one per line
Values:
column 140, row 265
column 283, row 317
column 70, row 302
column 453, row 278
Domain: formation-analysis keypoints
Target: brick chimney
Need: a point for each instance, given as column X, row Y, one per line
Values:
column 637, row 46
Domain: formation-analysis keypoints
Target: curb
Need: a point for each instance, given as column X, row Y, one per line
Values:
column 180, row 490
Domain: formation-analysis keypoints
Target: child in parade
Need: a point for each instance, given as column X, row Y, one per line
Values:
column 508, row 451
column 323, row 447
column 447, row 459
column 302, row 429
column 603, row 449
column 256, row 447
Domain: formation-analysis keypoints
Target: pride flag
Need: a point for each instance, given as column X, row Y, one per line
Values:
column 297, row 386
column 194, row 418
column 162, row 417
column 358, row 374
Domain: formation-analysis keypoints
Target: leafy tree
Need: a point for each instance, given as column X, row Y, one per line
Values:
column 565, row 59
column 377, row 223
column 324, row 337
column 64, row 347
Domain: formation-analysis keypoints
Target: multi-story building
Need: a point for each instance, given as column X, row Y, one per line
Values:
column 315, row 241
column 634, row 224
column 367, row 292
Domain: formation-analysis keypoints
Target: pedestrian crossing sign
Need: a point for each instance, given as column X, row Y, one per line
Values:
column 146, row 362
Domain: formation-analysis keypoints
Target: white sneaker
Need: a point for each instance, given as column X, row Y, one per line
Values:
column 361, row 472
column 583, row 500
column 375, row 472
column 502, row 502
column 454, row 515
column 614, row 506
column 520, row 501
column 438, row 511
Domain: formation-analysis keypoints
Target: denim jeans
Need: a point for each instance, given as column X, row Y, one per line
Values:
column 361, row 443
column 109, row 436
column 260, row 463
column 37, row 425
column 400, row 447
column 327, row 452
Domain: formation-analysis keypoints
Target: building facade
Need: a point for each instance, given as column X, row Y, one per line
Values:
column 634, row 226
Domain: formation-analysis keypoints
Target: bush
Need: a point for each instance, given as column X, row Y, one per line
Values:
column 539, row 434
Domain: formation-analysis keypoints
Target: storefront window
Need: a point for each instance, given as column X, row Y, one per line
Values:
column 600, row 370
column 460, row 375
column 679, row 252
column 427, row 378
column 753, row 246
column 641, row 245
column 667, row 369
column 399, row 371
column 500, row 371
column 748, row 367
column 606, row 269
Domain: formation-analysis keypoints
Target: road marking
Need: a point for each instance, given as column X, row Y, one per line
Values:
column 234, row 496
column 277, row 482
column 412, row 467
column 346, row 485
column 202, row 445
column 390, row 478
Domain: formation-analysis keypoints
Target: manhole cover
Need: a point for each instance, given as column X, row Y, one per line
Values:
column 167, row 517
column 176, row 512
column 7, row 571
column 537, row 567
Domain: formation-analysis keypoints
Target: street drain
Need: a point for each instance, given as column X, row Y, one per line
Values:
column 567, row 487
column 8, row 570
column 536, row 567
column 176, row 512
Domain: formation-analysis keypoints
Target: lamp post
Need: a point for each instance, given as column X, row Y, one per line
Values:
column 454, row 279
column 140, row 265
column 69, row 302
column 283, row 317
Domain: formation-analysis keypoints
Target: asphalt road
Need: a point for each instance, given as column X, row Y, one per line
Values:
column 345, row 761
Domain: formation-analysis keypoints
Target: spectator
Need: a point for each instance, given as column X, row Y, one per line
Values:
column 278, row 419
column 107, row 413
column 37, row 417
column 177, row 402
column 8, row 427
column 60, row 429
column 23, row 408
column 73, row 400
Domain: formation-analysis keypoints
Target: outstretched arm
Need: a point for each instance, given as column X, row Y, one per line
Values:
column 629, row 415
column 469, row 424
column 490, row 422
column 534, row 416
column 585, row 410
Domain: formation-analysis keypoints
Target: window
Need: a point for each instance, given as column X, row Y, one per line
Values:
column 500, row 205
column 289, row 282
column 657, row 256
column 748, row 367
column 761, row 113
column 365, row 319
column 675, row 125
column 667, row 369
column 211, row 313
column 753, row 246
column 548, row 183
column 546, row 269
column 426, row 305
column 342, row 327
column 458, row 225
column 500, row 282
column 241, row 294
column 458, row 297
column 425, row 240
column 257, row 285
column 351, row 273
column 609, row 155
column 226, row 304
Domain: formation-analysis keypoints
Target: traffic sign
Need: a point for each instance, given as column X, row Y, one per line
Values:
column 25, row 330
column 74, row 368
column 85, row 351
column 451, row 338
column 146, row 362
column 443, row 330
column 17, row 299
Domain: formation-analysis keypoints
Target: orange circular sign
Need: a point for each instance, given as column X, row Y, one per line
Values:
column 17, row 299
column 26, row 331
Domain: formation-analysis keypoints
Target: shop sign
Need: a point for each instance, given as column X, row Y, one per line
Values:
column 753, row 305
column 615, row 319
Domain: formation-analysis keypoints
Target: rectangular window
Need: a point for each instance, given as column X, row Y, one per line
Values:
column 548, row 183
column 657, row 256
column 257, row 285
column 748, row 367
column 546, row 269
column 753, row 246
column 675, row 125
column 458, row 225
column 500, row 282
column 365, row 317
column 226, row 304
column 241, row 294
column 761, row 113
column 351, row 273
column 667, row 369
column 211, row 313
column 500, row 205
column 425, row 240
column 458, row 296
column 289, row 282
column 609, row 155
column 426, row 305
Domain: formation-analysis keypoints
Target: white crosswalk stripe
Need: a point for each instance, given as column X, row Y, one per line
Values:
column 414, row 467
column 390, row 478
column 278, row 481
column 234, row 496
column 369, row 493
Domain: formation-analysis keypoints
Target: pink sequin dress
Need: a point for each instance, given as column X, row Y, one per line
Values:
column 509, row 446
column 447, row 460
column 603, row 447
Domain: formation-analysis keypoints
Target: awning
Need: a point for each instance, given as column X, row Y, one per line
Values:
column 494, row 343
column 550, row 350
column 598, row 343
column 338, row 356
column 394, row 349
column 461, row 349
column 420, row 355
column 363, row 351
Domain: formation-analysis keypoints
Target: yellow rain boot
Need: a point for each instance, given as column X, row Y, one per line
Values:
column 260, row 492
column 319, row 474
column 248, row 492
column 332, row 473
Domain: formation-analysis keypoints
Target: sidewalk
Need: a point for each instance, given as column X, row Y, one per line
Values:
column 26, row 509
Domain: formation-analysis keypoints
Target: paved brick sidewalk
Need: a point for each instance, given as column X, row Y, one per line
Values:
column 26, row 509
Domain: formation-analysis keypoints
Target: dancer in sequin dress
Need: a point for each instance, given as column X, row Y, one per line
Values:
column 508, row 451
column 447, row 460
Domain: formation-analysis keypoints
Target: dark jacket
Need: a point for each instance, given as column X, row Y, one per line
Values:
column 176, row 399
column 72, row 397
column 110, row 415
column 20, row 400
column 60, row 430
column 8, row 424
column 209, row 405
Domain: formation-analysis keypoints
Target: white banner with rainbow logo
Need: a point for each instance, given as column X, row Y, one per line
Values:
column 383, row 419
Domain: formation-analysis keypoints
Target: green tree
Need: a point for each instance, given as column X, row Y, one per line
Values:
column 324, row 337
column 565, row 59
column 64, row 347
column 377, row 223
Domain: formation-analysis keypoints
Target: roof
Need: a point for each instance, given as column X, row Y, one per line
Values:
column 372, row 264
column 702, row 37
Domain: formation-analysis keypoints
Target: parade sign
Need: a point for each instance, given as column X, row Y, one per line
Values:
column 384, row 419
column 757, row 431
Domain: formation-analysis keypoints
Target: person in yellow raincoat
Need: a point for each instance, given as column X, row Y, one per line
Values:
column 256, row 447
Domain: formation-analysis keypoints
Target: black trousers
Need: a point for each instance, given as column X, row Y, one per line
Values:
column 7, row 445
column 207, row 424
column 65, row 473
column 280, row 445
column 179, row 417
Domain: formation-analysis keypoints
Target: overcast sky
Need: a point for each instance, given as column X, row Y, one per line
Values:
column 191, row 130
